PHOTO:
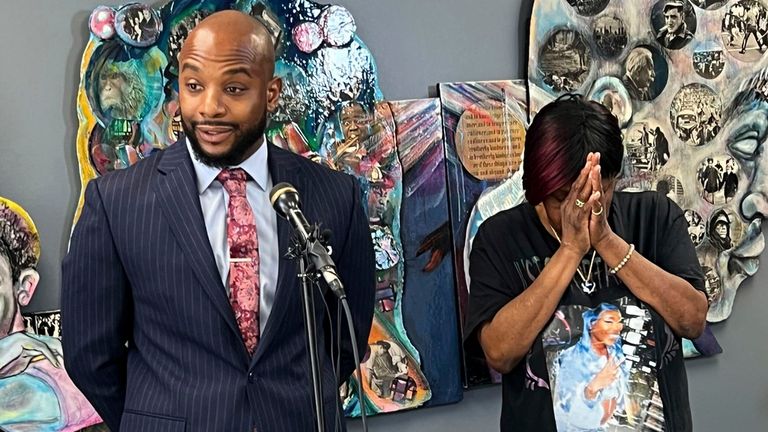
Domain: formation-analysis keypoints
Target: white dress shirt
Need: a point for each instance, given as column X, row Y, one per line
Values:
column 214, row 201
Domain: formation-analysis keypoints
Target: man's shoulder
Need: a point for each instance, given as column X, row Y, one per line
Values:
column 139, row 169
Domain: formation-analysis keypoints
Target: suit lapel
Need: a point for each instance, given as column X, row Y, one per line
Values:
column 177, row 194
column 283, row 167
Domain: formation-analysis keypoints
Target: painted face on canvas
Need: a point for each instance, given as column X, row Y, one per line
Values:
column 721, row 229
column 111, row 85
column 354, row 121
column 745, row 135
column 645, row 74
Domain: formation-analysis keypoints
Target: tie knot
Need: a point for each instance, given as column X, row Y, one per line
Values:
column 233, row 180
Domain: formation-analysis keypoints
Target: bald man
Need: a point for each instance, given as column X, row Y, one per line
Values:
column 180, row 310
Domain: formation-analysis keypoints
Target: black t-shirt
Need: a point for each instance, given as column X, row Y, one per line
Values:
column 650, row 388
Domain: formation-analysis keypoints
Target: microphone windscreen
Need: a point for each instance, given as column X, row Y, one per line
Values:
column 278, row 190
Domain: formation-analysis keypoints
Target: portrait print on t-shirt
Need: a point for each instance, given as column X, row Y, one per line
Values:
column 602, row 366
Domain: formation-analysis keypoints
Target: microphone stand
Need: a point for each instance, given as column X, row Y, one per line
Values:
column 302, row 251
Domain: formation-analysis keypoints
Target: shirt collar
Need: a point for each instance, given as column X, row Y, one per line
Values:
column 256, row 167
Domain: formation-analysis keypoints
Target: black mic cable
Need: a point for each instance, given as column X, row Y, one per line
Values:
column 360, row 393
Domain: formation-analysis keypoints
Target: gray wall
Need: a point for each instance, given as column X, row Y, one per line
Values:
column 416, row 43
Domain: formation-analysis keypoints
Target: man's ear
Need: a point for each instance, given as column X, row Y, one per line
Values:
column 27, row 283
column 274, row 87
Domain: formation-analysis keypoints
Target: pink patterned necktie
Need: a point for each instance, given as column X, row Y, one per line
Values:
column 243, row 242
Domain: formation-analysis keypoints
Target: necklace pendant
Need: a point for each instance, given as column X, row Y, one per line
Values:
column 588, row 287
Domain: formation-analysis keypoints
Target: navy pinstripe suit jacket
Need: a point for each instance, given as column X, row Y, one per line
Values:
column 149, row 335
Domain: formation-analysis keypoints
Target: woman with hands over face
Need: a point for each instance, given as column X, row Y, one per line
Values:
column 576, row 244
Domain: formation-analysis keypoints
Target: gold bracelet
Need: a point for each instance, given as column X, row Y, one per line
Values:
column 623, row 261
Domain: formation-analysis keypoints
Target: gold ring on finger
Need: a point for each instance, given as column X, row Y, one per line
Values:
column 599, row 212
column 579, row 203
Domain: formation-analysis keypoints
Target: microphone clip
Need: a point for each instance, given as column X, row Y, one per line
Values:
column 296, row 245
column 316, row 253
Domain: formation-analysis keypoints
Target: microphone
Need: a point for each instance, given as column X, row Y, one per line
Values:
column 285, row 200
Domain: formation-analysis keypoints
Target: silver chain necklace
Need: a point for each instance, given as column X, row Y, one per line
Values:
column 586, row 282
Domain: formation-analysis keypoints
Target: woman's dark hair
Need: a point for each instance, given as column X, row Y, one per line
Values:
column 559, row 139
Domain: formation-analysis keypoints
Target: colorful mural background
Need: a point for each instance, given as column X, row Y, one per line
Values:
column 428, row 309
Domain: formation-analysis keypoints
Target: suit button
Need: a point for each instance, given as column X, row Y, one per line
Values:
column 251, row 377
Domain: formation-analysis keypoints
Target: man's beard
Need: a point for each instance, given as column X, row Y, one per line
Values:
column 244, row 141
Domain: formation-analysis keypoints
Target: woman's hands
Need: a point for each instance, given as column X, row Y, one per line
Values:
column 599, row 229
column 579, row 211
